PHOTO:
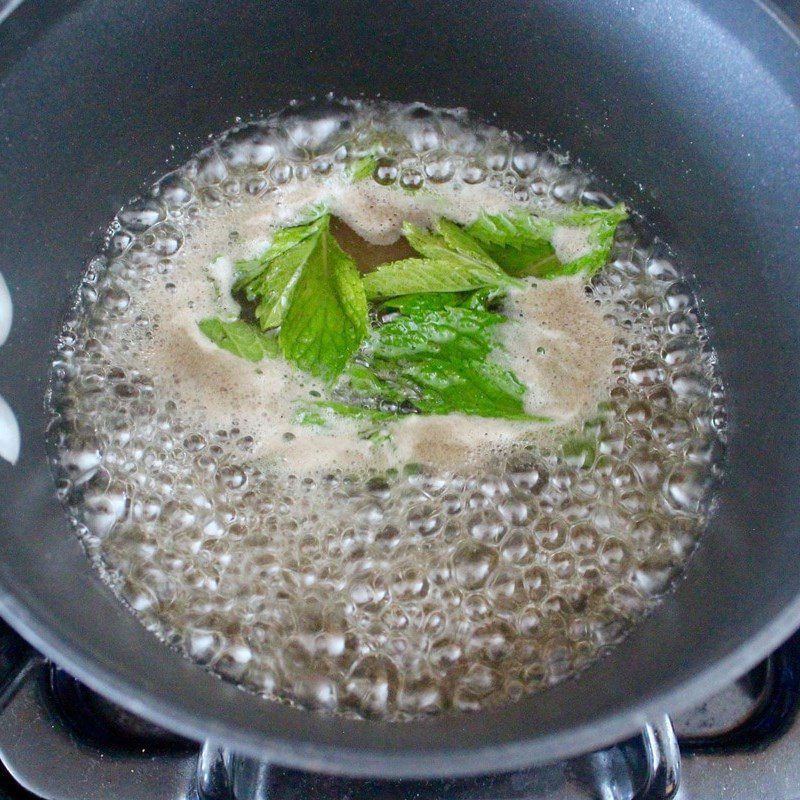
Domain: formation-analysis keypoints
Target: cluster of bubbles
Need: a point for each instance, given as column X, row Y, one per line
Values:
column 406, row 592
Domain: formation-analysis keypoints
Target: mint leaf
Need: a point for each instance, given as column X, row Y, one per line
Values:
column 448, row 333
column 415, row 303
column 604, row 222
column 473, row 387
column 311, row 288
column 521, row 242
column 537, row 260
column 452, row 261
column 240, row 338
column 363, row 168
column 376, row 431
column 313, row 415
column 580, row 215
column 284, row 241
column 412, row 304
column 434, row 359
column 515, row 229
column 325, row 319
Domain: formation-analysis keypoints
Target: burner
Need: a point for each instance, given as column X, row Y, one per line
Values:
column 62, row 741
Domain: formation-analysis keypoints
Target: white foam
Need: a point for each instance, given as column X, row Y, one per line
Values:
column 571, row 242
column 221, row 270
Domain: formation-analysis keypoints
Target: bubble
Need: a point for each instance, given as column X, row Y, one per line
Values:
column 249, row 147
column 411, row 179
column 317, row 692
column 424, row 521
column 232, row 477
column 174, row 191
column 116, row 300
column 372, row 684
column 210, row 169
column 440, row 171
column 409, row 583
column 646, row 372
column 679, row 296
column 685, row 489
column 584, row 539
column 517, row 547
column 550, row 533
column 680, row 350
column 421, row 695
column 80, row 462
column 386, row 172
column 102, row 510
column 487, row 527
column 525, row 163
column 473, row 174
column 281, row 173
column 492, row 641
column 472, row 563
column 661, row 269
column 497, row 157
column 194, row 443
column 689, row 384
column 141, row 215
column 654, row 575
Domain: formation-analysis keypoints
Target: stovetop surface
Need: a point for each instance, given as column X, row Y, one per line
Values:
column 62, row 741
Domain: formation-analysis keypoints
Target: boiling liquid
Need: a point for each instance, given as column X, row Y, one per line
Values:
column 467, row 562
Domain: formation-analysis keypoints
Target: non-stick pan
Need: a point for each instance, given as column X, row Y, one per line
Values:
column 688, row 110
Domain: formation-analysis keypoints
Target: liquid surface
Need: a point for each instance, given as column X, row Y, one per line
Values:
column 466, row 563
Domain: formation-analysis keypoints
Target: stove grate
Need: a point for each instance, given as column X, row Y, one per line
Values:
column 60, row 740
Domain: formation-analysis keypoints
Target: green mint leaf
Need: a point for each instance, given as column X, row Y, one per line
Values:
column 452, row 261
column 521, row 242
column 376, row 435
column 603, row 223
column 310, row 416
column 272, row 289
column 515, row 229
column 580, row 215
column 240, row 338
column 538, row 259
column 363, row 168
column 324, row 315
column 284, row 240
column 416, row 303
column 434, row 359
column 448, row 333
column 371, row 389
column 354, row 412
column 475, row 387
column 310, row 288
column 413, row 304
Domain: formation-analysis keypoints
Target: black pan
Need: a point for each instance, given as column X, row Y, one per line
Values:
column 690, row 111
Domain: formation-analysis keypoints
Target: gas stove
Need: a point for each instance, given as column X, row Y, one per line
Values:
column 61, row 741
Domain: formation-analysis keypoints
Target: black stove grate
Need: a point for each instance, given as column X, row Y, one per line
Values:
column 62, row 741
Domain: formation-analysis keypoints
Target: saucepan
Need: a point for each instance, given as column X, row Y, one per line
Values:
column 687, row 109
